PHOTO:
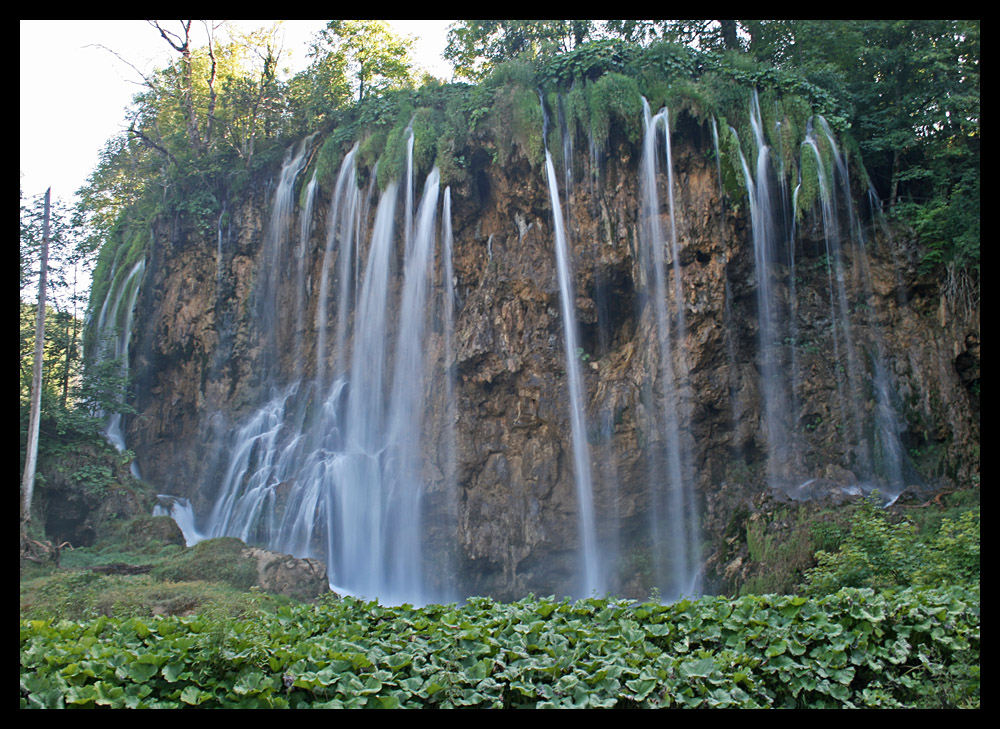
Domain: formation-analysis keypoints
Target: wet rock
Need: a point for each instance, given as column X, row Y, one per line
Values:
column 282, row 574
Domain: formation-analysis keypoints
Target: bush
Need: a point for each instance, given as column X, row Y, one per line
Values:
column 881, row 554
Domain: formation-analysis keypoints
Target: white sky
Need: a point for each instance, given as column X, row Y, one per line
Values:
column 74, row 95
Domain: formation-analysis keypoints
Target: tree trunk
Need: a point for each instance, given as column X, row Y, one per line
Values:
column 730, row 36
column 31, row 457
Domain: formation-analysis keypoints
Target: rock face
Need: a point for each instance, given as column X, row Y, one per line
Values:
column 499, row 512
column 283, row 574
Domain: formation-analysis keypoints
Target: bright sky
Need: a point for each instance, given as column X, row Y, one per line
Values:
column 74, row 95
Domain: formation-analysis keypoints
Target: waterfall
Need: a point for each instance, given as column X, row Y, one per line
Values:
column 868, row 424
column 301, row 282
column 764, row 221
column 344, row 444
column 592, row 581
column 673, row 511
column 450, row 460
column 114, row 333
column 838, row 299
column 179, row 509
column 881, row 458
column 408, row 217
column 343, row 225
column 330, row 465
column 270, row 317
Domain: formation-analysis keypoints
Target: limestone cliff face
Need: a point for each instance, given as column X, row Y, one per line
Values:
column 503, row 520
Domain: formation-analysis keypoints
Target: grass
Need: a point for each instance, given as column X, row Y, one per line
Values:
column 211, row 578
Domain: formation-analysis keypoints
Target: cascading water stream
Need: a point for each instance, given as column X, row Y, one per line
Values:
column 592, row 582
column 886, row 462
column 779, row 392
column 269, row 317
column 450, row 376
column 119, row 329
column 674, row 519
column 342, row 481
column 342, row 231
column 301, row 282
column 674, row 251
column 838, row 317
column 608, row 517
column 764, row 221
column 408, row 217
column 793, row 302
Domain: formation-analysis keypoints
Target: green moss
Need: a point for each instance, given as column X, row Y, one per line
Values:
column 730, row 163
column 615, row 101
column 809, row 186
column 453, row 166
column 686, row 95
column 427, row 123
column 213, row 560
column 371, row 147
column 731, row 100
column 142, row 534
column 392, row 163
column 516, row 122
column 528, row 125
column 85, row 595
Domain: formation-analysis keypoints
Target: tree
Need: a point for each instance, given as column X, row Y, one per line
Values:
column 705, row 35
column 252, row 100
column 125, row 166
column 181, row 42
column 914, row 89
column 222, row 96
column 476, row 46
column 369, row 55
column 28, row 481
column 69, row 258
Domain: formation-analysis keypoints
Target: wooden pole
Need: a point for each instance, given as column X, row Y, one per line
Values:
column 31, row 458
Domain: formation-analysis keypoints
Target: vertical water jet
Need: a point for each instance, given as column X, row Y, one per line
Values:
column 591, row 582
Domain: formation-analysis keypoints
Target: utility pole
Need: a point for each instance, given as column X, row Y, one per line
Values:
column 31, row 458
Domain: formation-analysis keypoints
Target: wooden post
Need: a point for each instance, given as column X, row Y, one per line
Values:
column 31, row 458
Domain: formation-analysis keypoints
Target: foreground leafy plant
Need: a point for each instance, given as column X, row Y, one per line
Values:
column 853, row 648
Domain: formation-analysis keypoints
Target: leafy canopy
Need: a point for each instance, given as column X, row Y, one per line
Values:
column 364, row 54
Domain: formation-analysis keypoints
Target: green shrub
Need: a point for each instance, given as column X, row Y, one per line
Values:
column 952, row 557
column 881, row 554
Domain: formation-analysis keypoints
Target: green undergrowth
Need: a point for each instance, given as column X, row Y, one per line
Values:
column 815, row 549
column 854, row 648
column 139, row 570
column 882, row 552
column 218, row 560
column 88, row 595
